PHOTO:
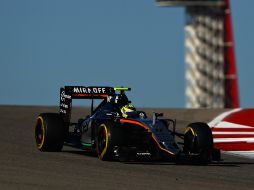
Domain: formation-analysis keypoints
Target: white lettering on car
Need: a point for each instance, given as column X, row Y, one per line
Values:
column 95, row 90
column 76, row 90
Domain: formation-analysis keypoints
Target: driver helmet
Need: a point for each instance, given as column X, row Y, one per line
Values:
column 128, row 111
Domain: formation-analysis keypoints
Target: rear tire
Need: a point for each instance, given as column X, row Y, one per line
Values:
column 49, row 132
column 198, row 142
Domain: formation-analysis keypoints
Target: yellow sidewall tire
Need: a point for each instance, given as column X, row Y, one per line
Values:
column 101, row 154
column 49, row 132
column 40, row 124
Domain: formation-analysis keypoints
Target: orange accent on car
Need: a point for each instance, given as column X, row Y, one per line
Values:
column 145, row 127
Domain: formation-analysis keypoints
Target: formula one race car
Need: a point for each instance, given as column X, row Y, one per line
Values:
column 115, row 130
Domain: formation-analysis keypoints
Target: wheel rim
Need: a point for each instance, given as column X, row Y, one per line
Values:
column 39, row 132
column 102, row 141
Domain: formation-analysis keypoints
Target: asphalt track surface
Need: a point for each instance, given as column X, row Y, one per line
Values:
column 22, row 166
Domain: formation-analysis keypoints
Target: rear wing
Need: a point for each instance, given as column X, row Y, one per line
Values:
column 68, row 93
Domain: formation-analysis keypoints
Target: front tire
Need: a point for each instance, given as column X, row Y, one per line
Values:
column 49, row 132
column 198, row 142
column 108, row 137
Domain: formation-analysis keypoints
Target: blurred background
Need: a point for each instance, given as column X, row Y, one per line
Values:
column 48, row 44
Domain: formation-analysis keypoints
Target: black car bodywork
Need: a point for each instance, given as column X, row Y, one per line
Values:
column 113, row 137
